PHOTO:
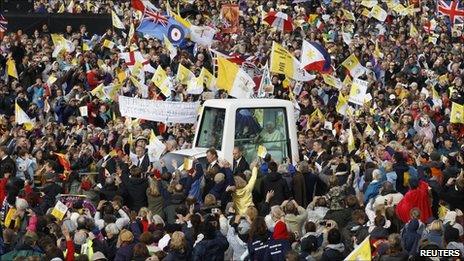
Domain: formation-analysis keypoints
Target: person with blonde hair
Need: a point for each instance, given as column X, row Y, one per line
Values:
column 434, row 233
column 154, row 198
column 242, row 196
column 178, row 249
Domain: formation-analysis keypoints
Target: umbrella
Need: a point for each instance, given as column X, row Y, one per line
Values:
column 279, row 20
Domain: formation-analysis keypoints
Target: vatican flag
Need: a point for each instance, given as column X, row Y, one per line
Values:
column 361, row 252
column 184, row 75
column 351, row 147
column 353, row 65
column 116, row 21
column 233, row 79
column 11, row 68
column 457, row 113
column 22, row 118
column 283, row 62
column 378, row 13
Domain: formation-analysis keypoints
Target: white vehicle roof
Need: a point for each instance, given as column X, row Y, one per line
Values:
column 246, row 103
column 194, row 152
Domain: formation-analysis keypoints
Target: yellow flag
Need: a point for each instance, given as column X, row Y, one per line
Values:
column 457, row 113
column 188, row 163
column 366, row 12
column 377, row 53
column 22, row 118
column 347, row 81
column 85, row 47
column 378, row 13
column 227, row 71
column 130, row 140
column 108, row 44
column 348, row 15
column 352, row 64
column 413, row 31
column 283, row 62
column 181, row 20
column 61, row 9
column 208, row 78
column 351, row 147
column 362, row 251
column 342, row 104
column 58, row 39
column 11, row 68
column 331, row 80
column 172, row 50
column 98, row 92
column 131, row 34
column 121, row 74
column 262, row 151
column 159, row 76
column 369, row 131
column 286, row 83
column 316, row 115
column 184, row 75
column 116, row 21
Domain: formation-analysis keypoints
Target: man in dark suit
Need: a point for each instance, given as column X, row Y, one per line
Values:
column 7, row 164
column 211, row 170
column 143, row 162
column 106, row 164
column 321, row 159
column 240, row 164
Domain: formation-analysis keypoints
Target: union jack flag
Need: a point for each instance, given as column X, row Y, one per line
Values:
column 3, row 23
column 156, row 17
column 453, row 9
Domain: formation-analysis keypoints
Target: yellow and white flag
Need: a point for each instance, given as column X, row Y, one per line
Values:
column 351, row 147
column 378, row 13
column 358, row 91
column 283, row 62
column 413, row 31
column 332, row 81
column 11, row 68
column 369, row 131
column 22, row 118
column 98, row 92
column 184, row 75
column 342, row 104
column 208, row 78
column 172, row 50
column 353, row 65
column 262, row 151
column 116, row 21
column 161, row 80
column 70, row 8
column 155, row 147
column 369, row 3
column 159, row 76
column 361, row 252
column 131, row 34
column 233, row 79
column 108, row 44
column 348, row 15
column 457, row 113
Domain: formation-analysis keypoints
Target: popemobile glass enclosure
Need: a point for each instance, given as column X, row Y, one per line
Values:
column 250, row 124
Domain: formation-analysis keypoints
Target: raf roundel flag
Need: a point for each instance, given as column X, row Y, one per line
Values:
column 159, row 25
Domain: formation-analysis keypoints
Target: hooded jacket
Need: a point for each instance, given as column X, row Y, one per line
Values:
column 333, row 252
column 134, row 190
column 410, row 236
column 274, row 181
column 210, row 249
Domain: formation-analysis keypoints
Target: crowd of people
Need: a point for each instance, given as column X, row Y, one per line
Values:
column 391, row 171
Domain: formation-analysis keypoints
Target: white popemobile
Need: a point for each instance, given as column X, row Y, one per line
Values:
column 246, row 123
